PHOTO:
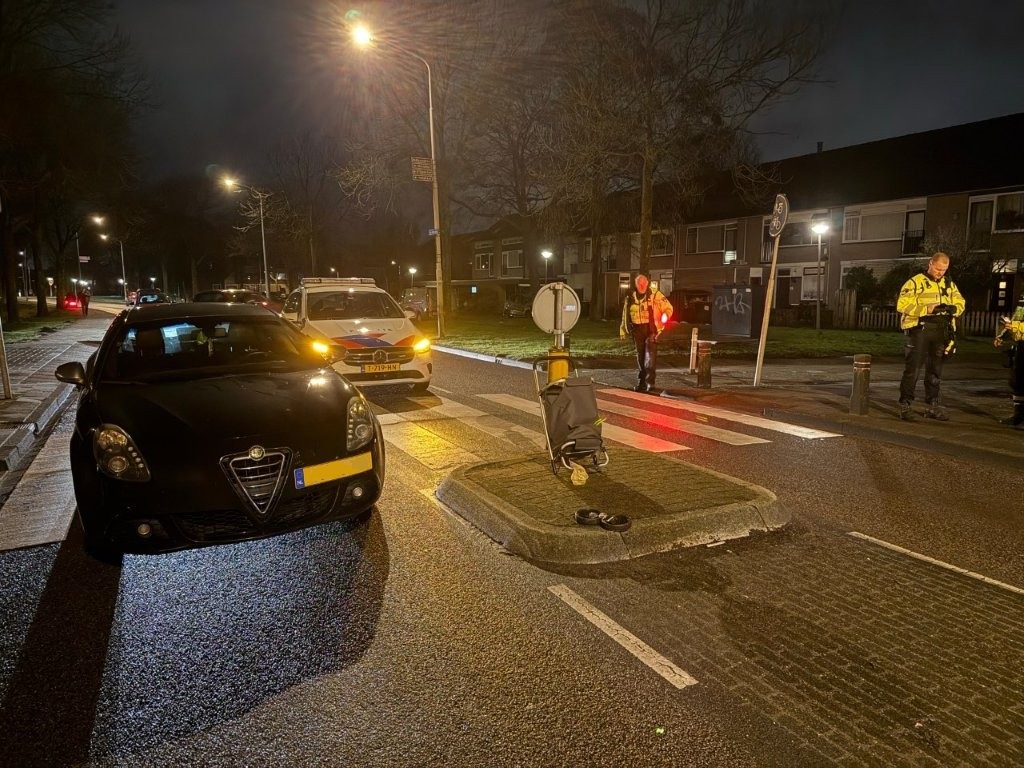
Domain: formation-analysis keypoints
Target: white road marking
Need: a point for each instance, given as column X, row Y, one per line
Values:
column 682, row 425
column 720, row 413
column 618, row 434
column 673, row 674
column 933, row 561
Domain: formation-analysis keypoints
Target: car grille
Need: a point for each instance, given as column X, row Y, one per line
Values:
column 370, row 355
column 257, row 481
column 229, row 524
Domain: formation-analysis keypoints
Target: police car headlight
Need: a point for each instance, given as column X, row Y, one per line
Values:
column 421, row 346
column 117, row 456
column 359, row 431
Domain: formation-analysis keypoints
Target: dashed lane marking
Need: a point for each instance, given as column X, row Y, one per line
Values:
column 647, row 655
column 721, row 413
column 933, row 561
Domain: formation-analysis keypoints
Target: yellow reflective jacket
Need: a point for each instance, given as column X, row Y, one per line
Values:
column 1017, row 323
column 920, row 291
column 637, row 308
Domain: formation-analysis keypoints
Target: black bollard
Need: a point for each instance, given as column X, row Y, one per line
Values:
column 704, row 364
column 861, row 384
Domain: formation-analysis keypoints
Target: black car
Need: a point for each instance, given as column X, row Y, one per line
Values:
column 210, row 423
column 150, row 296
column 238, row 296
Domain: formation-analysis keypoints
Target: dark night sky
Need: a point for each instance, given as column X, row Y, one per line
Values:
column 234, row 75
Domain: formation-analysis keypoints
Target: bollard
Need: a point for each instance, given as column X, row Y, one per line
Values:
column 558, row 368
column 704, row 364
column 861, row 384
column 693, row 351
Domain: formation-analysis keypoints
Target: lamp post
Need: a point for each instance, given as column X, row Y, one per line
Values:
column 24, row 270
column 412, row 276
column 124, row 278
column 152, row 282
column 819, row 228
column 363, row 37
column 547, row 260
column 231, row 184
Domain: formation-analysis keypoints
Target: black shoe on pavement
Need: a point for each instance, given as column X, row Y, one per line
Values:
column 906, row 413
column 936, row 412
column 640, row 388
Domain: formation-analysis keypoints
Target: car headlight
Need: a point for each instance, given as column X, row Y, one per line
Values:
column 421, row 346
column 117, row 455
column 360, row 429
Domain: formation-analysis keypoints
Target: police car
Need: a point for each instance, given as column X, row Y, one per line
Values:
column 376, row 341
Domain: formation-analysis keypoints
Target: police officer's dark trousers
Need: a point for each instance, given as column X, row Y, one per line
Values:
column 646, row 343
column 925, row 346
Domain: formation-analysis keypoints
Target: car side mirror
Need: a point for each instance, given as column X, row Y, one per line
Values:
column 71, row 373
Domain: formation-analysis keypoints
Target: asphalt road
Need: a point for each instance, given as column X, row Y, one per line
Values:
column 411, row 639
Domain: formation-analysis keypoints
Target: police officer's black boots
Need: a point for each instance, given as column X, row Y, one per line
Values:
column 1017, row 419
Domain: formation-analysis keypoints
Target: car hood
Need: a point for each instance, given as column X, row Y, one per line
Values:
column 305, row 410
column 369, row 332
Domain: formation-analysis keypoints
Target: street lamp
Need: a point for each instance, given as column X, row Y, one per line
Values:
column 412, row 275
column 152, row 282
column 24, row 270
column 819, row 228
column 261, row 196
column 364, row 38
column 547, row 260
column 124, row 279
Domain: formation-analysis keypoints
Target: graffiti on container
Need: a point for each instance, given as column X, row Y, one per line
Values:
column 737, row 304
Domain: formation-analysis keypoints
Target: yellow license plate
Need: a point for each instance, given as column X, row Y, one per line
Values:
column 382, row 367
column 333, row 470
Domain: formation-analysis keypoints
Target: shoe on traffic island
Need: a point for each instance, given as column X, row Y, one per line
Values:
column 906, row 413
column 936, row 412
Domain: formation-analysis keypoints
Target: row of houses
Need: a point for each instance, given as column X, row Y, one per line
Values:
column 868, row 205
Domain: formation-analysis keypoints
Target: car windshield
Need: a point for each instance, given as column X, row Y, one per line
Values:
column 207, row 347
column 352, row 305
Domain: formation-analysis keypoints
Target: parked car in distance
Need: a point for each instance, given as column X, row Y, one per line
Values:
column 237, row 296
column 175, row 446
column 71, row 302
column 518, row 301
column 381, row 344
column 419, row 301
column 150, row 296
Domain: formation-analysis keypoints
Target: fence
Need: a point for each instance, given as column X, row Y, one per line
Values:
column 970, row 323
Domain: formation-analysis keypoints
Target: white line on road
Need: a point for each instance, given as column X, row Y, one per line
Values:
column 619, row 434
column 679, row 425
column 721, row 413
column 676, row 676
column 933, row 561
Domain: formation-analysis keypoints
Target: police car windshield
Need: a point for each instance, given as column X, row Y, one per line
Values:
column 352, row 305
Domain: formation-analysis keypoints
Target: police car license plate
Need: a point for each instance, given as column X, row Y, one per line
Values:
column 381, row 367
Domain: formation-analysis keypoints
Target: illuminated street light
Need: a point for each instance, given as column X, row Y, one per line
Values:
column 152, row 282
column 124, row 279
column 547, row 260
column 261, row 196
column 412, row 276
column 819, row 228
column 24, row 270
column 364, row 38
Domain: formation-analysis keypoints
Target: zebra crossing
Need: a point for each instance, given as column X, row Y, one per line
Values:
column 687, row 419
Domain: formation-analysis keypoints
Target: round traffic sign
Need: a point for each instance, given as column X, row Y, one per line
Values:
column 779, row 215
column 556, row 308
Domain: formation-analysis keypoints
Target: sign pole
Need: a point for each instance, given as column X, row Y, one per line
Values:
column 779, row 215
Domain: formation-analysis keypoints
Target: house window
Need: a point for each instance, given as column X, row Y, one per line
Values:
column 663, row 243
column 511, row 260
column 872, row 226
column 709, row 239
column 588, row 252
column 1010, row 213
column 797, row 233
column 729, row 256
column 483, row 262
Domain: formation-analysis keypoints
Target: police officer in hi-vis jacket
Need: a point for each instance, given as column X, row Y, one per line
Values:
column 644, row 314
column 1012, row 332
column 929, row 304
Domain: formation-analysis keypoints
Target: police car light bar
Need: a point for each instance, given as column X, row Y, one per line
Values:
column 337, row 281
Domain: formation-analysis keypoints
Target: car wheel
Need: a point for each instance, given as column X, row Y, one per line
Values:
column 420, row 388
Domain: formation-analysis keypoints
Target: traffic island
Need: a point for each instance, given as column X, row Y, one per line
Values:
column 532, row 512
